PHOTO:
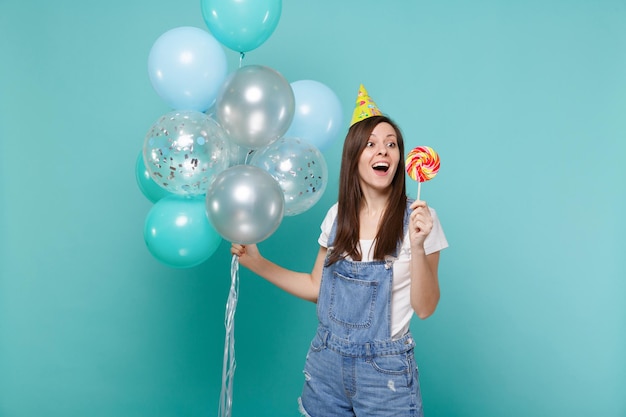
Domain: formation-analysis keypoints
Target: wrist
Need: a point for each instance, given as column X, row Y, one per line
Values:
column 418, row 249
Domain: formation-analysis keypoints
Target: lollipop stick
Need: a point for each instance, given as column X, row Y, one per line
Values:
column 419, row 189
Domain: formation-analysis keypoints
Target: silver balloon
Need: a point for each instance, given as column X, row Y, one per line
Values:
column 299, row 168
column 255, row 106
column 184, row 151
column 245, row 204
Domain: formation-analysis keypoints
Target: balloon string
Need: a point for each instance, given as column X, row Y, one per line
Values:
column 242, row 55
column 229, row 364
column 250, row 152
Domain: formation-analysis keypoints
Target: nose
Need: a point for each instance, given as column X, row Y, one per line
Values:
column 382, row 150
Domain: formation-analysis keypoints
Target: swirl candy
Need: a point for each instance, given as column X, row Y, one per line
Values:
column 422, row 163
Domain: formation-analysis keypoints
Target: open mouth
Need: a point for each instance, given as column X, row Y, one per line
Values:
column 381, row 166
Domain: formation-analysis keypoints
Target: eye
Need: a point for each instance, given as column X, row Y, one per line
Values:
column 369, row 144
column 391, row 144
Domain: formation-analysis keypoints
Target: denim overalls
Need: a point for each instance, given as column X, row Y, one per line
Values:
column 353, row 366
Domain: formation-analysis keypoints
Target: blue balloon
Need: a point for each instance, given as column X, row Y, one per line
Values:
column 241, row 25
column 187, row 67
column 178, row 233
column 150, row 189
column 318, row 116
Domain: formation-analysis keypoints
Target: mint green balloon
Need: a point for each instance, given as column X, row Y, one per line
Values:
column 178, row 233
column 241, row 25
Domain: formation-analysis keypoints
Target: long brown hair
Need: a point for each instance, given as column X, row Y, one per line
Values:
column 350, row 197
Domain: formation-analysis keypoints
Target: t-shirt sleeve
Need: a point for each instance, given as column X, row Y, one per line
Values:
column 327, row 225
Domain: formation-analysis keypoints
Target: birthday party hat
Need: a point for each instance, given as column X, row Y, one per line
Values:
column 365, row 107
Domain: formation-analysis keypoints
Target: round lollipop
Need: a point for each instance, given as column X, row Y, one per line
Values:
column 422, row 164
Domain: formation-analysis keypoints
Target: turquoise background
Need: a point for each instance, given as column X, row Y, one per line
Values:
column 525, row 102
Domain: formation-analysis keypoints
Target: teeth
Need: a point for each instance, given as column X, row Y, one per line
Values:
column 381, row 166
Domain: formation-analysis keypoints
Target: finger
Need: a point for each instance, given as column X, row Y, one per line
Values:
column 423, row 218
column 422, row 211
column 423, row 228
column 418, row 203
column 237, row 249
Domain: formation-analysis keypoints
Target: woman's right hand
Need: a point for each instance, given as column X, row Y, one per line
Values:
column 246, row 253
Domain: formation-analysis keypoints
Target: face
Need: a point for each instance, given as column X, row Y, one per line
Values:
column 379, row 160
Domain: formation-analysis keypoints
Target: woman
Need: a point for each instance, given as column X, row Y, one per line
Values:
column 376, row 266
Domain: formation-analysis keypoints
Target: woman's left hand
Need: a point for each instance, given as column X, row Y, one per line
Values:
column 420, row 224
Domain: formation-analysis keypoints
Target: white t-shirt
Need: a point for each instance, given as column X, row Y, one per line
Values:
column 401, row 310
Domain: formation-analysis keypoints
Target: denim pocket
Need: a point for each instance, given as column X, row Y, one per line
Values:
column 352, row 301
column 392, row 364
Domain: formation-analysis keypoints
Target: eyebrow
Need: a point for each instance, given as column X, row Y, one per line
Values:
column 391, row 135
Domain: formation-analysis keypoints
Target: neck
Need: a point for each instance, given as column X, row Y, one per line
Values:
column 374, row 204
